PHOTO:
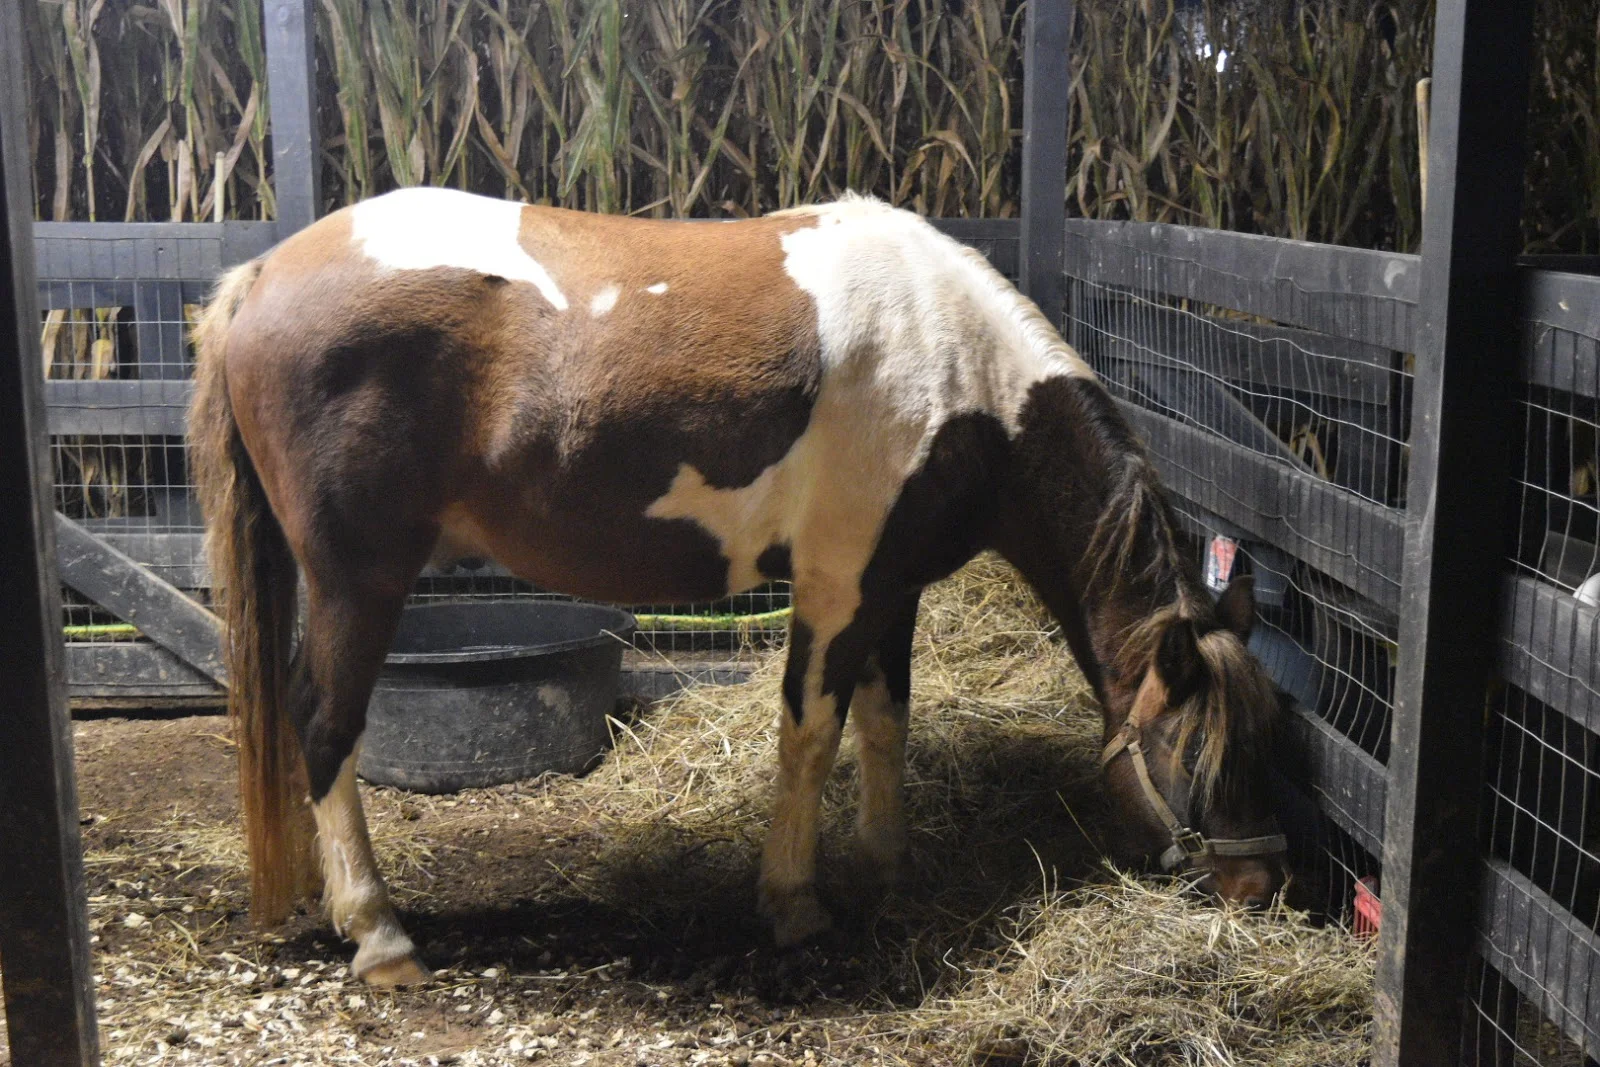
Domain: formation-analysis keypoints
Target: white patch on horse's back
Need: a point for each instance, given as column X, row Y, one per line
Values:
column 426, row 228
column 949, row 333
column 657, row 289
column 604, row 300
column 914, row 329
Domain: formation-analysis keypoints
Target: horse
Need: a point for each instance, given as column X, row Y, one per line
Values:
column 638, row 410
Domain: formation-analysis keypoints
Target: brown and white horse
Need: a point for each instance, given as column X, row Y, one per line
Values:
column 646, row 411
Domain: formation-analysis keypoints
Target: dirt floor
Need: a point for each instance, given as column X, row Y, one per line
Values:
column 609, row 920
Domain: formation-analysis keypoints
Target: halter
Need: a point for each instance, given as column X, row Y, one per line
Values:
column 1189, row 848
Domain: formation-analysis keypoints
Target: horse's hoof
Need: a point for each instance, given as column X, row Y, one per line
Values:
column 405, row 971
column 799, row 918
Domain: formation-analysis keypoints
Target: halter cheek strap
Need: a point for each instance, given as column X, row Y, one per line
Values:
column 1189, row 848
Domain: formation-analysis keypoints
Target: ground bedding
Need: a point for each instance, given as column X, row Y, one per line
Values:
column 609, row 920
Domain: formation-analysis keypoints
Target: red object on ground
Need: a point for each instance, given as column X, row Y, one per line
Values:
column 1369, row 909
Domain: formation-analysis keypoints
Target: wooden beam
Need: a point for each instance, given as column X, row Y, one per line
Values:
column 1046, row 98
column 1467, row 321
column 1551, row 957
column 148, row 251
column 1347, row 782
column 44, row 925
column 1562, row 324
column 116, row 408
column 134, row 672
column 1354, row 541
column 292, row 92
column 161, row 611
column 1548, row 640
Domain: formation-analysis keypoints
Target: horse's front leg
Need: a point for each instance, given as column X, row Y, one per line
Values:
column 818, row 682
column 880, row 711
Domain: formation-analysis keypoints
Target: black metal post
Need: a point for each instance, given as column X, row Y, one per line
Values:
column 44, row 927
column 1455, row 546
column 1046, row 94
column 292, row 93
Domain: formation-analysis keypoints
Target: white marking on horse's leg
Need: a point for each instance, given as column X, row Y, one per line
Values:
column 357, row 899
column 604, row 300
column 880, row 726
column 658, row 289
column 426, row 228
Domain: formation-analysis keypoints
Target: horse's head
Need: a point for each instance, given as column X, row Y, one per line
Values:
column 1188, row 766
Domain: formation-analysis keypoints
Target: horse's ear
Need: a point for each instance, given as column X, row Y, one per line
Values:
column 1178, row 662
column 1236, row 607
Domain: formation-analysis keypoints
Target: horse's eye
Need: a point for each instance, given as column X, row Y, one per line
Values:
column 1191, row 751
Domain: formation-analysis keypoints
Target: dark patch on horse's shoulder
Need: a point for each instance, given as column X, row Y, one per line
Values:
column 494, row 280
column 775, row 563
column 795, row 668
column 941, row 519
column 943, row 513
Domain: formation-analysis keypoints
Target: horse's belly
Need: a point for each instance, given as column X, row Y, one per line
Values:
column 622, row 559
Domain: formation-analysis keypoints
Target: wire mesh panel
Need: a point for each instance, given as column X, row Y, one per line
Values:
column 1284, row 444
column 1536, row 999
column 1505, row 1029
column 115, row 380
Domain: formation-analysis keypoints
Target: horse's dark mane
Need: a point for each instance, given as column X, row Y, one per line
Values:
column 1134, row 549
column 1134, row 554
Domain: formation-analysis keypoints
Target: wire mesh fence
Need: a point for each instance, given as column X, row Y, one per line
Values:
column 1505, row 1029
column 1541, row 820
column 1285, row 449
column 1281, row 423
column 112, row 350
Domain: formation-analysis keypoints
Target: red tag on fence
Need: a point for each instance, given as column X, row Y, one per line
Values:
column 1369, row 908
column 1220, row 555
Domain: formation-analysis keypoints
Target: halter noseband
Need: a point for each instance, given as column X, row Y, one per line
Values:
column 1189, row 848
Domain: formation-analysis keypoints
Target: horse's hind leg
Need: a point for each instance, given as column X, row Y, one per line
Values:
column 880, row 711
column 349, row 625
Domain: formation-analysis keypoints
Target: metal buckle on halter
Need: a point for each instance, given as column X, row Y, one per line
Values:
column 1193, row 844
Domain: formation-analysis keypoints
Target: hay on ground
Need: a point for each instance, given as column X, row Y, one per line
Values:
column 609, row 920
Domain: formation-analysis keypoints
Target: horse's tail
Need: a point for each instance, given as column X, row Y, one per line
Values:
column 254, row 576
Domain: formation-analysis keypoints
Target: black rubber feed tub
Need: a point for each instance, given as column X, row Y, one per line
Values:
column 481, row 694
